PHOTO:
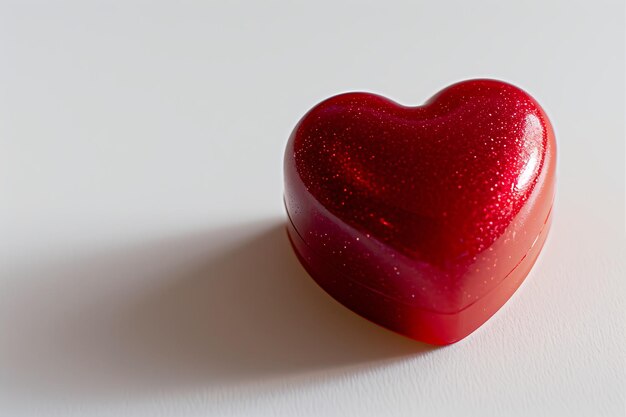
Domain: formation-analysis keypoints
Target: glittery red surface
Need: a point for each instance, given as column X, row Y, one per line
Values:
column 430, row 207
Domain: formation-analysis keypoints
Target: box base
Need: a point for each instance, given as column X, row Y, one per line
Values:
column 417, row 323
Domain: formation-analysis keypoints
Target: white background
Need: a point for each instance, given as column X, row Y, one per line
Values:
column 144, row 270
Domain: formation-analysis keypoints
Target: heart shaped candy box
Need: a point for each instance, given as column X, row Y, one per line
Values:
column 424, row 219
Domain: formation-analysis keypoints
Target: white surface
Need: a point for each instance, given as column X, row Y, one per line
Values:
column 143, row 268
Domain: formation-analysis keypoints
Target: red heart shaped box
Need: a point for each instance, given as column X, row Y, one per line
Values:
column 426, row 219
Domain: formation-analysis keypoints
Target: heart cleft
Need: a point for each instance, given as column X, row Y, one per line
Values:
column 426, row 219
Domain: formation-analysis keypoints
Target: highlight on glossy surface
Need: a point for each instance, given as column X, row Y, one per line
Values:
column 422, row 219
